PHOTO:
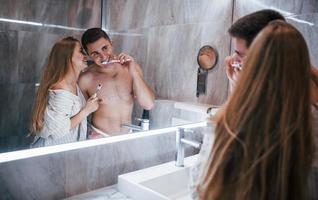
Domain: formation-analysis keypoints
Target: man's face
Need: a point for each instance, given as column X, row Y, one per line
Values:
column 240, row 49
column 100, row 50
column 234, row 62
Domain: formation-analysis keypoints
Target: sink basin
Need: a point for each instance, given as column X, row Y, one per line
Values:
column 160, row 182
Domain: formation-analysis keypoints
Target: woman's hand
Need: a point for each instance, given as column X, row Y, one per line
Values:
column 92, row 105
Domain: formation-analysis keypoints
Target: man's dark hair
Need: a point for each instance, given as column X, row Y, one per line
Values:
column 92, row 35
column 250, row 25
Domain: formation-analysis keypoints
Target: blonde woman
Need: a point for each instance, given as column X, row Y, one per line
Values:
column 60, row 110
column 263, row 146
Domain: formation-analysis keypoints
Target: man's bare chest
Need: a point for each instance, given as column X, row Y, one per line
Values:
column 117, row 86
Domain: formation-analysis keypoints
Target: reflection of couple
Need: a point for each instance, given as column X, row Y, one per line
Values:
column 61, row 111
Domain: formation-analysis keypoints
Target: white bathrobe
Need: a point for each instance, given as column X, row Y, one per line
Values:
column 62, row 105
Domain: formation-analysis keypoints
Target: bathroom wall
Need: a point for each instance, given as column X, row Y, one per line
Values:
column 24, row 46
column 167, row 35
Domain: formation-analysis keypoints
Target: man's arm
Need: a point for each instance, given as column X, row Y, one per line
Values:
column 142, row 91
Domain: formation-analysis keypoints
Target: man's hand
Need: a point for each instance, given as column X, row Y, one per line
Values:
column 123, row 58
column 142, row 92
column 231, row 72
column 129, row 61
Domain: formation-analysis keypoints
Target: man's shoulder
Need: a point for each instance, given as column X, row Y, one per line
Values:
column 88, row 74
column 86, row 77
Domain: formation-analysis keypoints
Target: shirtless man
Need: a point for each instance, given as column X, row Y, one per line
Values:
column 121, row 83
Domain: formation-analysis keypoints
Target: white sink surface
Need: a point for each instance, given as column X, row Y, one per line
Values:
column 160, row 182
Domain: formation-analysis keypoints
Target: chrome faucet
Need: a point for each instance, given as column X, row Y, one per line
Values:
column 180, row 144
column 144, row 125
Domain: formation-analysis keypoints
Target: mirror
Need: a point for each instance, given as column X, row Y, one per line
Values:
column 207, row 57
column 26, row 39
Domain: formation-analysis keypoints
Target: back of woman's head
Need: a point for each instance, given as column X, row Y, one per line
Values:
column 263, row 147
column 59, row 60
column 58, row 64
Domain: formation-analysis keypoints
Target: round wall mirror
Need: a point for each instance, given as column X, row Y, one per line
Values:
column 207, row 57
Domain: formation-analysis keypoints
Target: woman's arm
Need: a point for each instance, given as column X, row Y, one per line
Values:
column 91, row 106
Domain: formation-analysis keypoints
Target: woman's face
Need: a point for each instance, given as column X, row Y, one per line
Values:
column 78, row 58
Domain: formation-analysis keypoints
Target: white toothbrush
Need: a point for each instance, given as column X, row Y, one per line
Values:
column 237, row 66
column 113, row 61
column 98, row 88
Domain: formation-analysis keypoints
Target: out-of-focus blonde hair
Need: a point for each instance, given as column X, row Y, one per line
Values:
column 263, row 144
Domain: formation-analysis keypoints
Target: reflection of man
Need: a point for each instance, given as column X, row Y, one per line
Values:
column 243, row 32
column 121, row 83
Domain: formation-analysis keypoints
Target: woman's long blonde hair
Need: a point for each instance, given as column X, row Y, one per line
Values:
column 58, row 65
column 263, row 144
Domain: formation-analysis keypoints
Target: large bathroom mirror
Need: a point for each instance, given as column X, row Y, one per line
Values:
column 28, row 32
